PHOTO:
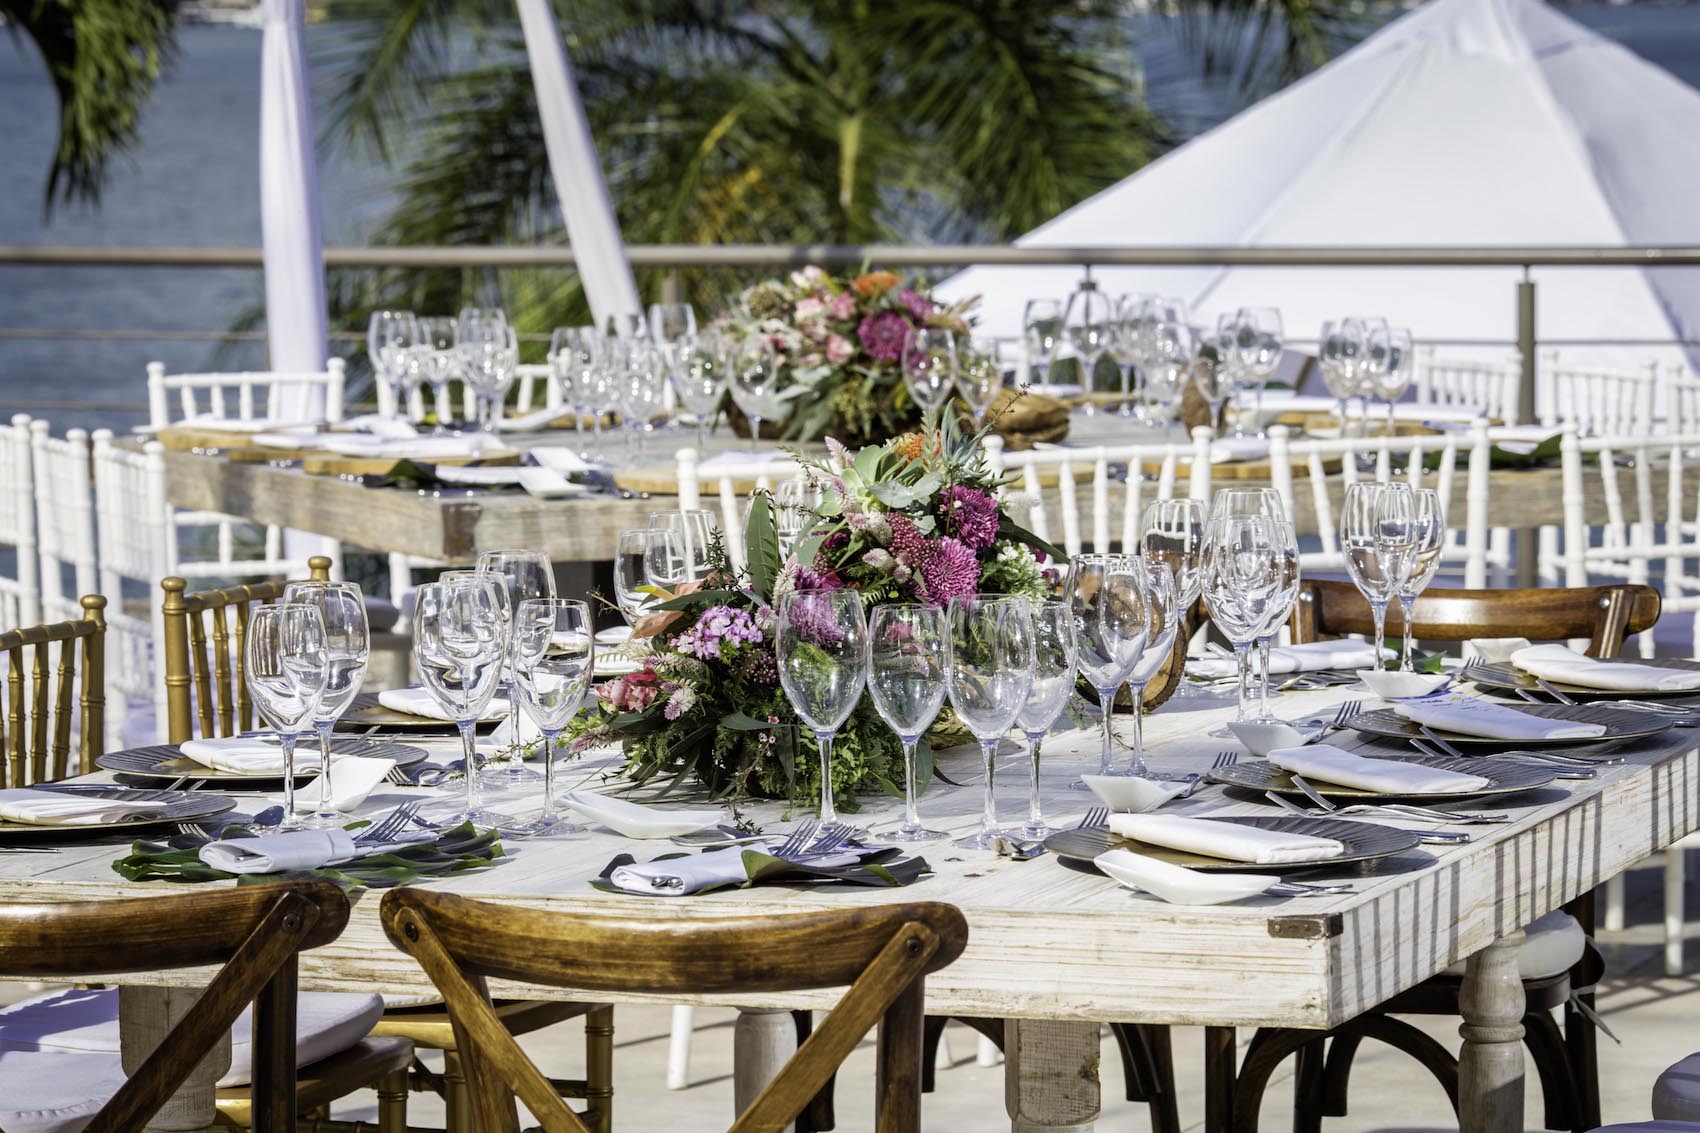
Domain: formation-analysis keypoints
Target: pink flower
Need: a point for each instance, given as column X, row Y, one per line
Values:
column 809, row 308
column 838, row 349
column 633, row 692
column 918, row 305
column 842, row 306
column 882, row 335
column 971, row 515
column 808, row 276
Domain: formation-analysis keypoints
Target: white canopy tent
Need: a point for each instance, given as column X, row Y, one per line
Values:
column 1464, row 123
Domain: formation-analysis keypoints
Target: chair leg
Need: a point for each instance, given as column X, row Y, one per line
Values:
column 1148, row 1069
column 599, row 1069
column 1581, row 1046
column 1337, row 1073
column 457, row 1105
column 1614, row 904
column 679, row 1048
column 818, row 1116
column 932, row 1034
column 1676, row 871
column 1546, row 1051
column 986, row 1053
column 1309, row 1081
column 392, row 1103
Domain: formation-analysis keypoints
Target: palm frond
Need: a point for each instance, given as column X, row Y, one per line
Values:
column 1261, row 45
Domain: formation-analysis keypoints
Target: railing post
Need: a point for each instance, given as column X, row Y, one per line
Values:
column 1526, row 346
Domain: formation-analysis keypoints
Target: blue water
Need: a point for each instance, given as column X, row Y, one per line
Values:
column 193, row 179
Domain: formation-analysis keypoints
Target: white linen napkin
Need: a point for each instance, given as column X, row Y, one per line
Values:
column 411, row 448
column 252, row 425
column 1325, row 763
column 1555, row 662
column 249, row 755
column 548, row 484
column 353, row 777
column 680, row 877
column 376, row 425
column 64, row 808
column 1497, row 650
column 1340, row 653
column 481, row 476
column 297, row 849
column 1177, row 884
column 634, row 820
column 558, row 458
column 1227, row 450
column 1232, row 841
column 418, row 702
column 1468, row 716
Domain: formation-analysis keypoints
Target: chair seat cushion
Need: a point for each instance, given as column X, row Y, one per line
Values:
column 86, row 1021
column 1676, row 1095
column 54, row 1091
column 1651, row 1127
column 1550, row 945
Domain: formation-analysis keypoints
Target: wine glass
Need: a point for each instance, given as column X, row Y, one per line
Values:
column 631, row 572
column 1280, row 609
column 979, row 376
column 1111, row 623
column 434, row 347
column 389, row 336
column 1053, row 683
column 989, row 665
column 524, row 574
column 1339, row 353
column 796, row 503
column 822, row 649
column 286, row 664
column 459, row 637
column 1169, row 354
column 1213, row 373
column 1248, row 502
column 1372, row 364
column 755, row 380
column 1398, row 370
column 1429, row 520
column 906, row 680
column 1089, row 322
column 552, row 661
column 670, row 322
column 929, row 366
column 699, row 378
column 685, row 556
column 1258, row 344
column 1378, row 538
column 1241, row 578
column 641, row 394
column 1172, row 534
column 1166, row 615
column 348, row 643
column 491, row 352
column 572, row 358
column 1041, row 327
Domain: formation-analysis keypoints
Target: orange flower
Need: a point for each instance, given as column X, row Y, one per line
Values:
column 907, row 445
column 652, row 624
column 875, row 284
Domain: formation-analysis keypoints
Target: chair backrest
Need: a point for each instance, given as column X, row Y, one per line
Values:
column 1423, row 461
column 1597, row 400
column 1138, row 473
column 220, row 692
column 1490, row 388
column 231, row 396
column 883, row 953
column 1605, row 615
column 133, row 529
column 1682, row 401
column 64, row 509
column 256, row 932
column 731, row 477
column 20, row 596
column 46, row 703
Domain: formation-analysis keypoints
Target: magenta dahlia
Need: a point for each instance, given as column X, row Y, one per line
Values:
column 971, row 515
column 882, row 335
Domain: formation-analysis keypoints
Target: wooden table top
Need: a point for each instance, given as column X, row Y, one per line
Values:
column 1048, row 941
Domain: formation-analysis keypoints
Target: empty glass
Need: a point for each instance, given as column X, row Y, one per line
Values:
column 1213, row 372
column 1429, row 522
column 553, row 660
column 1053, row 684
column 459, row 637
column 572, row 358
column 1173, row 535
column 524, row 574
column 1241, row 580
column 1041, row 331
column 1166, row 614
column 822, row 649
column 1089, row 322
column 989, row 664
column 699, row 378
column 929, row 366
column 489, row 354
column 631, row 556
column 286, row 666
column 1340, row 353
column 684, row 557
column 1398, row 368
column 389, row 337
column 1111, row 623
column 670, row 322
column 1168, row 354
column 979, row 376
column 1378, row 536
column 1280, row 609
column 348, row 643
column 435, row 359
column 755, row 383
column 1258, row 343
column 796, row 503
column 906, row 679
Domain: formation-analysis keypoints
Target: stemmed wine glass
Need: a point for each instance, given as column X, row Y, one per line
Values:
column 389, row 337
column 286, row 666
column 1280, row 609
column 632, row 552
column 1053, row 683
column 989, row 665
column 1398, row 369
column 524, row 574
column 1126, row 347
column 491, row 351
column 755, row 379
column 929, row 366
column 1041, row 326
column 979, row 376
column 572, row 358
column 1169, row 355
column 640, row 394
column 1429, row 521
column 796, row 503
column 1166, row 615
column 459, row 637
column 1241, row 579
column 822, row 650
column 906, row 679
column 553, row 658
column 348, row 643
column 699, row 378
column 434, row 348
column 1379, row 538
column 671, row 322
column 685, row 556
column 1258, row 343
column 1340, row 354
column 1213, row 372
column 1172, row 534
column 1111, row 623
column 1089, row 321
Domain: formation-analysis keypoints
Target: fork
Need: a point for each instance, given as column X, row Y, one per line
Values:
column 1564, row 767
column 1548, row 688
column 1224, row 759
column 1327, row 807
column 1097, row 816
column 397, row 821
column 1446, row 748
column 800, row 837
column 1348, row 709
column 1401, row 810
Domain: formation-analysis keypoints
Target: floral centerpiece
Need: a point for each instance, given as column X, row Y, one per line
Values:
column 839, row 343
column 915, row 520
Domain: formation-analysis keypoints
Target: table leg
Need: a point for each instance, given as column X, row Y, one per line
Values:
column 1490, row 1067
column 145, row 1016
column 1050, row 1075
column 762, row 1042
column 1221, row 1073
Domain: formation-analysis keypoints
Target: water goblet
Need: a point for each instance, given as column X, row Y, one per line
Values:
column 979, row 376
column 1111, row 623
column 439, row 363
column 1041, row 332
column 389, row 337
column 459, row 637
column 1089, row 322
column 1378, row 538
column 929, row 366
column 989, row 664
column 1054, row 657
column 684, row 558
column 821, row 645
column 1172, row 534
column 755, row 382
column 699, row 378
column 1429, row 521
column 906, row 680
column 1241, row 579
column 1166, row 614
column 286, row 665
column 1280, row 609
column 524, row 574
column 632, row 551
column 552, row 659
column 348, row 643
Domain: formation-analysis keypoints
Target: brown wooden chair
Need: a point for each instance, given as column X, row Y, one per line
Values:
column 43, row 701
column 882, row 953
column 255, row 932
column 1605, row 615
column 220, row 695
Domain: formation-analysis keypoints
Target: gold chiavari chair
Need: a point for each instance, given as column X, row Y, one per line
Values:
column 44, row 701
column 204, row 635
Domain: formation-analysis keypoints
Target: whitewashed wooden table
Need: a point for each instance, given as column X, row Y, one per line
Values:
column 1057, row 951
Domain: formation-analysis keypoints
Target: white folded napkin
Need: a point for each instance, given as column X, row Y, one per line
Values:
column 499, row 476
column 634, row 820
column 1340, row 653
column 679, row 877
column 1468, row 716
column 376, row 425
column 353, row 777
column 249, row 755
column 558, row 458
column 1227, row 450
column 412, row 448
column 518, row 728
column 418, row 702
column 1555, row 662
column 1397, row 686
column 548, row 484
column 64, row 808
column 1325, row 763
column 273, row 853
column 1497, row 650
column 536, row 419
column 1177, row 884
column 252, row 425
column 1232, row 841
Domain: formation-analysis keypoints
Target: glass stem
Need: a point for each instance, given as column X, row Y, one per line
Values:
column 1263, row 644
column 828, row 812
column 516, row 757
column 469, row 749
column 1407, row 604
column 1137, row 767
column 327, row 797
column 702, row 434
column 1242, row 656
column 286, row 741
column 1107, row 702
column 989, row 816
column 1379, row 609
column 1035, row 809
column 911, row 812
column 549, row 773
column 1390, row 418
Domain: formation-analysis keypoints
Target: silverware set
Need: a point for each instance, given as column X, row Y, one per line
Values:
column 1566, row 766
column 1687, row 715
column 808, row 841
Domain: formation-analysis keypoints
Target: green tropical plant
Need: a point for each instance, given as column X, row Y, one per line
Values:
column 104, row 57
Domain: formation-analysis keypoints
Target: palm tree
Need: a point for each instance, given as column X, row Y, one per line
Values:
column 104, row 57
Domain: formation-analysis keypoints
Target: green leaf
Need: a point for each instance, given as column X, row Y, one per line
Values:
column 1016, row 533
column 699, row 600
column 761, row 547
column 740, row 722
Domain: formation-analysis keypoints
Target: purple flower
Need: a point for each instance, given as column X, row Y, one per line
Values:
column 919, row 306
column 814, row 619
column 955, row 572
column 971, row 515
column 882, row 335
column 720, row 628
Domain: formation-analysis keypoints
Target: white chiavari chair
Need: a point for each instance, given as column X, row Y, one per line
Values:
column 238, row 396
column 1489, row 388
column 1599, row 401
column 133, row 529
column 20, row 596
column 1682, row 401
column 1136, row 473
column 64, row 508
column 727, row 475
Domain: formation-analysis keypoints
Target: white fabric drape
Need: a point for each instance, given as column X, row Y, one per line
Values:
column 591, row 225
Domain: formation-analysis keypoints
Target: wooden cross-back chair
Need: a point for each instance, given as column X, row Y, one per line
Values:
column 255, row 932
column 210, row 661
column 883, row 954
column 43, row 699
column 1605, row 615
